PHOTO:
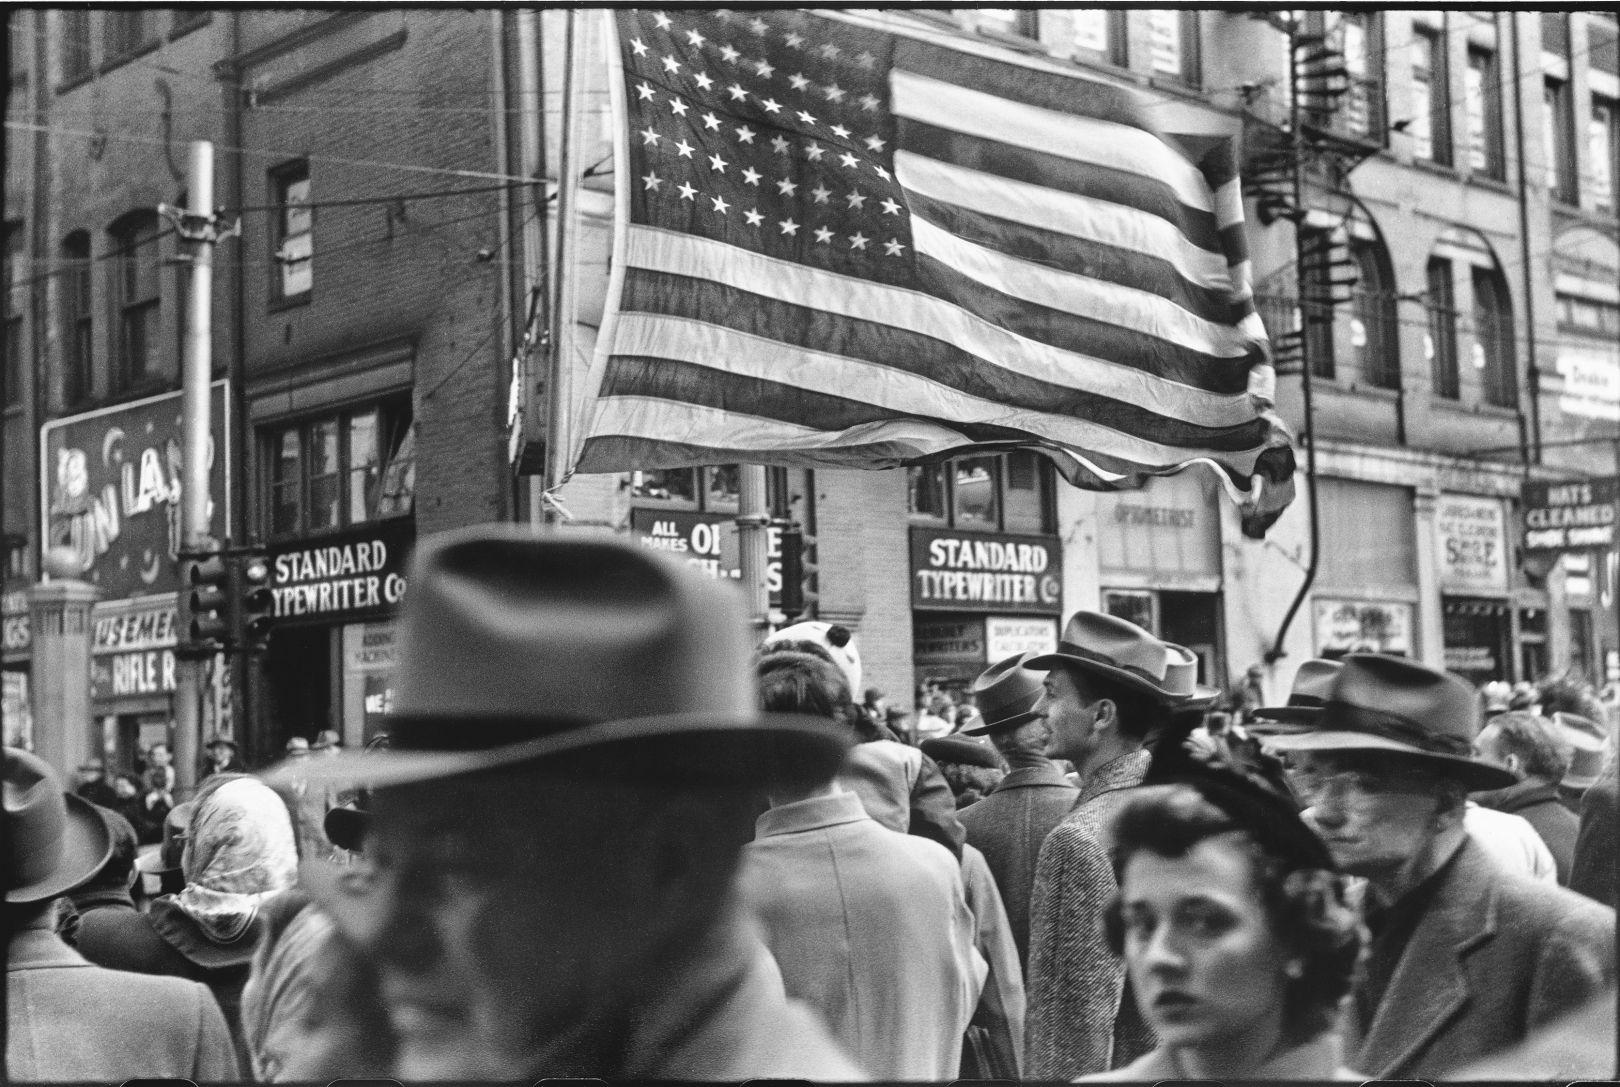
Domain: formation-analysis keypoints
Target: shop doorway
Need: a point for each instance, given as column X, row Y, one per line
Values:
column 297, row 690
column 1186, row 618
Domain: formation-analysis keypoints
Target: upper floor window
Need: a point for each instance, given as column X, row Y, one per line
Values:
column 714, row 489
column 1431, row 97
column 338, row 470
column 1013, row 22
column 1556, row 141
column 1097, row 34
column 1173, row 44
column 1602, row 152
column 1441, row 342
column 293, row 232
column 77, row 323
column 137, row 299
column 15, row 305
column 1555, row 32
column 75, row 43
column 20, row 43
column 1011, row 492
column 124, row 30
column 1373, row 322
column 189, row 18
column 1588, row 316
column 1601, row 43
column 1483, row 105
column 1493, row 332
column 1361, row 41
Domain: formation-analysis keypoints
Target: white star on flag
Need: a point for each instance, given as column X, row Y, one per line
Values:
column 858, row 240
column 779, row 144
column 671, row 65
column 820, row 193
column 702, row 80
column 720, row 204
column 652, row 181
column 711, row 122
column 685, row 149
column 738, row 94
column 849, row 160
column 644, row 91
column 893, row 247
column 855, row 199
column 638, row 46
column 789, row 227
column 890, row 207
column 798, row 81
column 745, row 134
column 696, row 38
column 678, row 107
column 753, row 216
column 787, row 187
column 728, row 54
column 717, row 164
column 750, row 176
column 688, row 192
column 649, row 138
column 823, row 235
column 840, row 131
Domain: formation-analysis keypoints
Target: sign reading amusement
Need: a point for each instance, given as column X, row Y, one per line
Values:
column 985, row 571
column 110, row 490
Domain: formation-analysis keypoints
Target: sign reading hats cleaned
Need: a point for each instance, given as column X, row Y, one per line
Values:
column 982, row 571
column 1570, row 516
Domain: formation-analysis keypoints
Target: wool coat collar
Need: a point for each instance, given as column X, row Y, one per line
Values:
column 40, row 949
column 1122, row 773
column 1030, row 777
column 812, row 814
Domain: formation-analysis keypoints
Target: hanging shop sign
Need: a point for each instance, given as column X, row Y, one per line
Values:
column 1473, row 544
column 132, row 648
column 707, row 541
column 110, row 490
column 15, row 625
column 356, row 574
column 1357, row 626
column 1591, row 383
column 1570, row 516
column 986, row 572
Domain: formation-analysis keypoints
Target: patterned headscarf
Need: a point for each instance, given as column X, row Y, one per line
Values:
column 240, row 850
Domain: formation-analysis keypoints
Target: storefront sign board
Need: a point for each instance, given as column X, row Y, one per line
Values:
column 1473, row 544
column 132, row 648
column 707, row 541
column 1357, row 626
column 15, row 624
column 1007, row 636
column 986, row 572
column 355, row 574
column 110, row 490
column 1572, row 516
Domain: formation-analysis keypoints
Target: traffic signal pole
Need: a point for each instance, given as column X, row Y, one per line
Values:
column 197, row 225
column 753, row 519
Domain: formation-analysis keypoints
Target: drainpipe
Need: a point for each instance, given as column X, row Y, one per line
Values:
column 1533, row 369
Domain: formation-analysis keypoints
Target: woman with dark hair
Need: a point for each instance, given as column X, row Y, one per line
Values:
column 1238, row 940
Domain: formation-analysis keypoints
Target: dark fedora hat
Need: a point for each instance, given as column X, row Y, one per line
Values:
column 55, row 841
column 1006, row 693
column 346, row 826
column 1394, row 704
column 1119, row 650
column 958, row 748
column 218, row 740
column 1312, row 682
column 516, row 647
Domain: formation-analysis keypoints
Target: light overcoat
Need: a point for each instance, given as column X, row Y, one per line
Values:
column 1493, row 957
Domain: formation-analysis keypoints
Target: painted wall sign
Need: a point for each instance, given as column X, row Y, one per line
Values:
column 1357, row 626
column 132, row 647
column 705, row 540
column 989, row 572
column 1591, row 383
column 353, row 574
column 1570, row 516
column 1473, row 544
column 110, row 490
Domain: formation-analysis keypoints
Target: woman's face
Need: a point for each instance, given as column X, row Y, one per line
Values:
column 1204, row 962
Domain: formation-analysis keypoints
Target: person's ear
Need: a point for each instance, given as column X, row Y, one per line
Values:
column 1105, row 714
column 1515, row 767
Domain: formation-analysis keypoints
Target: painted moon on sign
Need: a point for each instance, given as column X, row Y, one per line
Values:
column 109, row 446
column 149, row 572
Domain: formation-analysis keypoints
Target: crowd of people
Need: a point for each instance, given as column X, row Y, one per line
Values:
column 608, row 837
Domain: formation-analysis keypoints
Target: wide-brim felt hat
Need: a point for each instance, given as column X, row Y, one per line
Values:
column 1403, row 707
column 1309, row 694
column 1119, row 650
column 1005, row 694
column 1586, row 740
column 55, row 841
column 960, row 749
column 516, row 647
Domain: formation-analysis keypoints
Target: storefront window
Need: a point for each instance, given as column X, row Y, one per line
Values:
column 1130, row 605
column 286, row 478
column 722, row 489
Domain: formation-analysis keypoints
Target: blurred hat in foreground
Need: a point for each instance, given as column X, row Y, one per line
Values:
column 55, row 841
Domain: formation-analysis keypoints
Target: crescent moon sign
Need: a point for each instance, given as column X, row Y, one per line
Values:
column 149, row 572
column 115, row 435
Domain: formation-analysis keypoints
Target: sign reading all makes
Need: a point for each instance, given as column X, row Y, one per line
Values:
column 989, row 572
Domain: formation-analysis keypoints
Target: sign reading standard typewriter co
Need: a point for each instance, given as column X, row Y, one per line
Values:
column 1570, row 516
column 982, row 571
column 357, row 574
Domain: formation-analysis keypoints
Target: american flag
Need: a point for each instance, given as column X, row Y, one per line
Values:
column 840, row 245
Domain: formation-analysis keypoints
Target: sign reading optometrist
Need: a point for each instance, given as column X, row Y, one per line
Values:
column 988, row 572
column 110, row 490
column 356, row 574
column 1570, row 516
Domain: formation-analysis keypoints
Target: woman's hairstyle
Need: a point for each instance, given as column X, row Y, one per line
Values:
column 800, row 677
column 1305, row 907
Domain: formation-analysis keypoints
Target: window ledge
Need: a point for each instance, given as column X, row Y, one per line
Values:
column 1480, row 407
column 134, row 54
column 12, row 409
column 75, row 83
column 281, row 305
column 1433, row 167
column 1486, row 181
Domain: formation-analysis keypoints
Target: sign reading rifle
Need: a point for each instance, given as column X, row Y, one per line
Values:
column 984, row 571
column 1570, row 516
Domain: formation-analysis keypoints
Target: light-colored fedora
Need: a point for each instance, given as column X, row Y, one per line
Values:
column 516, row 647
column 1400, row 706
column 1586, row 739
column 1005, row 693
column 1118, row 649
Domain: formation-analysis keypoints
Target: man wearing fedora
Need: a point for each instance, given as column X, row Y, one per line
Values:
column 555, row 829
column 1465, row 957
column 67, row 1020
column 1109, row 685
column 1009, row 825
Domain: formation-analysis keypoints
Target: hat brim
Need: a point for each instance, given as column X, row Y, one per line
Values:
column 86, row 846
column 1477, row 776
column 1048, row 661
column 1014, row 721
column 1302, row 715
column 757, row 749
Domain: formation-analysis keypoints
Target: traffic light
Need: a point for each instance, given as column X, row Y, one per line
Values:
column 798, row 572
column 256, row 603
column 205, row 599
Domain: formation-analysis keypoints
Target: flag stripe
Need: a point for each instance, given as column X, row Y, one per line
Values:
column 1037, row 166
column 1043, row 343
column 1077, row 295
column 1078, row 139
column 878, row 352
column 1127, row 269
column 1081, row 218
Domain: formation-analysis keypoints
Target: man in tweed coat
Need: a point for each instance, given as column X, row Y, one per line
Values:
column 1108, row 686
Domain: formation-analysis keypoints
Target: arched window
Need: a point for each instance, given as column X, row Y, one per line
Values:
column 77, row 325
column 137, row 300
column 1474, row 362
column 1373, row 322
column 1493, row 338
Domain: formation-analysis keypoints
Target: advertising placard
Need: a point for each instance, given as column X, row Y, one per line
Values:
column 1473, row 544
column 355, row 574
column 987, row 572
column 707, row 541
column 132, row 648
column 110, row 490
column 1358, row 626
column 1006, row 636
column 1570, row 516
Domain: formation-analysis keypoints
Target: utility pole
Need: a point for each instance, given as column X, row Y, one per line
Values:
column 199, row 226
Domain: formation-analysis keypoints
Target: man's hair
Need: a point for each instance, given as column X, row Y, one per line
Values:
column 1306, row 909
column 1565, row 695
column 796, row 679
column 1017, row 740
column 1139, row 714
column 1531, row 737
